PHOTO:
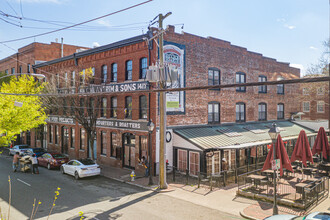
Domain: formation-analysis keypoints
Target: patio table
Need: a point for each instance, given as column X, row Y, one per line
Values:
column 300, row 188
column 325, row 167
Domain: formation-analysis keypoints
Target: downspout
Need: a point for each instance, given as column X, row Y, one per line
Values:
column 61, row 46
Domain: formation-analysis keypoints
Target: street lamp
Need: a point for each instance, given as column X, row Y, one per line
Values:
column 273, row 133
column 151, row 127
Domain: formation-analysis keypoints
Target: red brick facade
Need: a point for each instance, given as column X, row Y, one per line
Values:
column 33, row 53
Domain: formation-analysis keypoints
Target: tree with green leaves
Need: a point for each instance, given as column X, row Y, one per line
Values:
column 15, row 119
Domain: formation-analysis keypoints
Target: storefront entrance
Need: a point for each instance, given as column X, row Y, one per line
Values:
column 129, row 150
column 65, row 140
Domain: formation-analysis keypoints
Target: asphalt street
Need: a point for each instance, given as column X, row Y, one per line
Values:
column 97, row 197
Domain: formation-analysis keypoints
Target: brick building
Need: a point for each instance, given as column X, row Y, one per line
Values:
column 314, row 101
column 35, row 53
column 200, row 61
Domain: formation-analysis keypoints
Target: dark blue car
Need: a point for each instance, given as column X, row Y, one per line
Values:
column 37, row 151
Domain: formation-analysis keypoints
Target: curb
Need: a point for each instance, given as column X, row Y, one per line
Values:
column 247, row 216
column 130, row 183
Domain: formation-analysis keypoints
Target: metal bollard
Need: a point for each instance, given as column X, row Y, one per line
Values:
column 173, row 174
column 187, row 176
column 199, row 179
column 211, row 182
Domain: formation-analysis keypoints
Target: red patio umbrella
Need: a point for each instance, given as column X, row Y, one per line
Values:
column 280, row 154
column 321, row 144
column 302, row 150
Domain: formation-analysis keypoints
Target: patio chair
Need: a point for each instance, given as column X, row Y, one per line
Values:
column 307, row 172
column 262, row 183
column 248, row 180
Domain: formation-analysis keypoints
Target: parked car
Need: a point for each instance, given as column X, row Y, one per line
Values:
column 52, row 160
column 311, row 216
column 37, row 151
column 81, row 168
column 18, row 148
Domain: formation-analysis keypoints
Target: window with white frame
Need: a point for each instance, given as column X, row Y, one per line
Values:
column 305, row 91
column 262, row 89
column 213, row 112
column 320, row 91
column 194, row 163
column 320, row 106
column 280, row 111
column 182, row 160
column 262, row 111
column 305, row 106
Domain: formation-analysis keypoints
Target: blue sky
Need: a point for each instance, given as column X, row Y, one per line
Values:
column 287, row 30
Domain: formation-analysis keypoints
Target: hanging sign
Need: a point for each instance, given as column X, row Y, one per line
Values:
column 276, row 164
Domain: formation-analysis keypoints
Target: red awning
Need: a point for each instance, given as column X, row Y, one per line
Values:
column 280, row 154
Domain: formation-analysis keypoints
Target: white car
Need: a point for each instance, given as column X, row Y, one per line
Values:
column 81, row 168
column 311, row 216
column 21, row 149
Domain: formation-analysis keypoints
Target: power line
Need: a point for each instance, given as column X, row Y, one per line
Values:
column 71, row 26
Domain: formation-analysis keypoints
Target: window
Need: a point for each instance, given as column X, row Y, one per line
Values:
column 28, row 68
column 128, row 73
column 65, row 108
column 262, row 111
column 91, row 106
column 82, row 106
column 143, row 147
column 93, row 76
column 305, row 91
column 82, row 138
column 13, row 70
column 128, row 107
column 104, row 143
column 57, row 80
column 104, row 73
column 113, row 107
column 113, row 145
column 66, row 79
column 305, row 106
column 143, row 67
column 213, row 113
column 320, row 106
column 240, row 112
column 73, row 78
column 72, row 138
column 213, row 76
column 50, row 133
column 143, row 110
column 280, row 111
column 182, row 160
column 320, row 91
column 20, row 69
column 262, row 89
column 240, row 78
column 194, row 163
column 82, row 77
column 104, row 107
column 114, row 72
column 6, row 71
column 56, row 134
column 280, row 87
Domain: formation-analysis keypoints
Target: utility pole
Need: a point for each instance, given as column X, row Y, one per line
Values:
column 162, row 108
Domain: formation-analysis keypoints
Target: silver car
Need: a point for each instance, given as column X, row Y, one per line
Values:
column 311, row 216
column 21, row 149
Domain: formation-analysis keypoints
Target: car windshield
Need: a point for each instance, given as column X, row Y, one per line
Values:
column 86, row 161
column 23, row 147
column 298, row 218
column 57, row 156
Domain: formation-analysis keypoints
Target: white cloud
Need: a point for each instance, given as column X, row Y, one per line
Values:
column 312, row 48
column 96, row 44
column 291, row 27
column 299, row 66
column 280, row 20
column 104, row 23
column 43, row 1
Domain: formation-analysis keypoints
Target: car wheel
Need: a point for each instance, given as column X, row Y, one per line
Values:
column 62, row 170
column 48, row 166
column 76, row 175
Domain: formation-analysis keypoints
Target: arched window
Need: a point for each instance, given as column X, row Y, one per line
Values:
column 240, row 112
column 113, row 113
column 128, row 107
column 104, row 73
column 262, row 89
column 213, row 113
column 262, row 111
column 143, row 109
column 240, row 78
column 114, row 72
column 143, row 67
column 129, row 67
column 280, row 111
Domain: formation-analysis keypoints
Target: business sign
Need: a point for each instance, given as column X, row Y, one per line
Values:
column 115, row 87
column 174, row 54
column 62, row 120
column 276, row 164
column 122, row 124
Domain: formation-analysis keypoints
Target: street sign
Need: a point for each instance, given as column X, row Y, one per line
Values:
column 276, row 164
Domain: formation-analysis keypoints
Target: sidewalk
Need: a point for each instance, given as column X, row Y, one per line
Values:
column 223, row 199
